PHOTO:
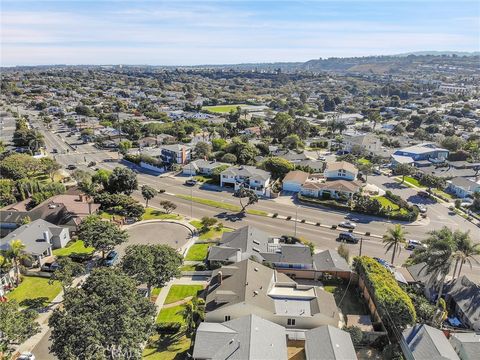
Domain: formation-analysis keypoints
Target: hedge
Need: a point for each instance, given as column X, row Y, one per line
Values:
column 388, row 296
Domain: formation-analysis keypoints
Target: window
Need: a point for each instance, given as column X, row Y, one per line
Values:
column 227, row 317
column 290, row 322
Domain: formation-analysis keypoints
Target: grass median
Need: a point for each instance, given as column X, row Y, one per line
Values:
column 220, row 205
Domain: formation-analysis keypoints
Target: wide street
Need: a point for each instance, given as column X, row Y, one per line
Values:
column 438, row 214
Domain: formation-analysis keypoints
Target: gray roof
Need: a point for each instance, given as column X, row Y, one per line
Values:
column 466, row 295
column 328, row 343
column 426, row 342
column 247, row 171
column 31, row 235
column 248, row 337
column 290, row 254
column 422, row 148
column 419, row 273
column 469, row 342
column 204, row 164
column 329, row 260
column 464, row 183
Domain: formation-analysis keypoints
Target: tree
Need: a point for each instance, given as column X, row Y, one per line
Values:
column 282, row 126
column 207, row 222
column 16, row 252
column 193, row 312
column 66, row 272
column 109, row 313
column 219, row 144
column 229, row 158
column 246, row 193
column 403, row 170
column 148, row 193
column 50, row 166
column 277, row 166
column 16, row 325
column 124, row 146
column 431, row 181
column 101, row 177
column 102, row 235
column 292, row 142
column 452, row 143
column 344, row 252
column 122, row 180
column 153, row 265
column 202, row 150
column 466, row 250
column 168, row 206
column 366, row 168
column 393, row 239
column 355, row 333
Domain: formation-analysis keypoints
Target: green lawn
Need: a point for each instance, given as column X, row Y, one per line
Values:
column 167, row 347
column 387, row 203
column 188, row 268
column 33, row 287
column 351, row 303
column 153, row 214
column 198, row 252
column 171, row 315
column 364, row 161
column 412, row 181
column 222, row 108
column 220, row 205
column 156, row 291
column 76, row 247
column 196, row 223
column 108, row 216
column 443, row 193
column 180, row 292
column 202, row 179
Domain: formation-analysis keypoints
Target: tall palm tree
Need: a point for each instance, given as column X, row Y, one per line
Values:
column 193, row 312
column 466, row 250
column 393, row 239
column 17, row 254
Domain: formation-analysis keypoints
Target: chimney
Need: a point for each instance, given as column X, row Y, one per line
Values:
column 46, row 237
column 219, row 278
column 238, row 255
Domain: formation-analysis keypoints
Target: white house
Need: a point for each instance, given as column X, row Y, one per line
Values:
column 200, row 166
column 463, row 187
column 294, row 180
column 366, row 142
column 247, row 287
column 336, row 189
column 247, row 176
column 340, row 170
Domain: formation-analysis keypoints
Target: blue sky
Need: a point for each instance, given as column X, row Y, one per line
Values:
column 180, row 32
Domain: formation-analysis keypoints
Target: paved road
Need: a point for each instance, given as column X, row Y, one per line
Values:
column 41, row 351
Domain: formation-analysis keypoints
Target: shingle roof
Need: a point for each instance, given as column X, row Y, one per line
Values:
column 247, row 171
column 296, row 176
column 337, row 185
column 467, row 297
column 248, row 337
column 328, row 343
column 329, row 260
column 338, row 165
column 290, row 254
column 470, row 343
column 426, row 342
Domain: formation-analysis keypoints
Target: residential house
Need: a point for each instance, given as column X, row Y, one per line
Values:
column 65, row 210
column 462, row 187
column 254, row 131
column 427, row 152
column 246, row 176
column 462, row 296
column 365, row 142
column 466, row 345
column 340, row 170
column 294, row 180
column 249, row 242
column 422, row 342
column 247, row 287
column 176, row 154
column 201, row 167
column 317, row 166
column 421, row 278
column 328, row 343
column 246, row 338
column 39, row 237
column 337, row 189
column 328, row 262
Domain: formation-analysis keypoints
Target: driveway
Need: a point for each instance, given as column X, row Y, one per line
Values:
column 41, row 351
column 172, row 234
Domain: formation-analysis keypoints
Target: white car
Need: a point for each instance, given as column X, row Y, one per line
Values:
column 26, row 356
column 347, row 225
column 414, row 244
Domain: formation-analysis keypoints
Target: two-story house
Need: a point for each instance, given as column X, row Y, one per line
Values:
column 246, row 176
column 176, row 154
column 340, row 170
column 365, row 142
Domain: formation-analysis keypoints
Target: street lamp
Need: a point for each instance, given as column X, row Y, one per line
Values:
column 296, row 218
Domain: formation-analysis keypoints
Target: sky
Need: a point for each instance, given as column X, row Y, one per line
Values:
column 177, row 32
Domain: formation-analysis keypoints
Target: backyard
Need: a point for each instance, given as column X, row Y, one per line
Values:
column 198, row 252
column 35, row 288
column 75, row 247
column 180, row 292
column 351, row 303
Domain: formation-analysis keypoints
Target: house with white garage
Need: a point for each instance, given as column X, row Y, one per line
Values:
column 247, row 288
column 337, row 189
column 246, row 176
column 294, row 180
column 340, row 170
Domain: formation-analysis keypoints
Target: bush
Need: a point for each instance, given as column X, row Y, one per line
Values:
column 355, row 333
column 168, row 327
column 302, row 221
column 161, row 191
column 275, row 215
column 317, row 224
column 391, row 300
column 334, row 226
column 289, row 217
column 200, row 267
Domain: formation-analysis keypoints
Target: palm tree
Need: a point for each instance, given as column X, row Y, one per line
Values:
column 89, row 188
column 393, row 238
column 5, row 264
column 193, row 312
column 17, row 254
column 466, row 251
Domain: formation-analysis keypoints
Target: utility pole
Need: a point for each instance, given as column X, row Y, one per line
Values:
column 360, row 249
column 296, row 218
column 191, row 192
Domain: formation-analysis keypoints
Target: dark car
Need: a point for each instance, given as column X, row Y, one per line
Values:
column 423, row 194
column 347, row 237
column 55, row 151
column 111, row 258
column 50, row 266
column 71, row 167
column 92, row 163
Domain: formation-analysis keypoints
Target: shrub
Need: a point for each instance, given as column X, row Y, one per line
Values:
column 334, row 226
column 392, row 301
column 161, row 191
column 275, row 215
column 200, row 267
column 317, row 224
column 289, row 217
column 168, row 327
column 355, row 333
column 302, row 221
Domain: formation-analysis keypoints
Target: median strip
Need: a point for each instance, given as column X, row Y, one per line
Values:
column 220, row 205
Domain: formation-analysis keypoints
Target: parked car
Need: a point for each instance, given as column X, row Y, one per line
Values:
column 92, row 163
column 422, row 209
column 414, row 244
column 191, row 182
column 347, row 225
column 423, row 194
column 352, row 218
column 71, row 167
column 322, row 158
column 111, row 258
column 348, row 237
column 55, row 151
column 377, row 171
column 26, row 356
column 50, row 266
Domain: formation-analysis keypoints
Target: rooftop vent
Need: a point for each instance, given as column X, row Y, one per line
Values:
column 255, row 292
